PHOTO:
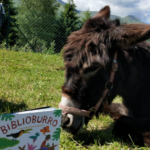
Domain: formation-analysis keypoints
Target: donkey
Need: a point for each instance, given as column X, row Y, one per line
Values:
column 102, row 60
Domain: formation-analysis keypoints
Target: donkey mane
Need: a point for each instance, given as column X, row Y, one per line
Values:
column 86, row 45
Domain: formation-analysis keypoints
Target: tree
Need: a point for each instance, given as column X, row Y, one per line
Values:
column 36, row 20
column 66, row 24
column 87, row 15
column 3, row 29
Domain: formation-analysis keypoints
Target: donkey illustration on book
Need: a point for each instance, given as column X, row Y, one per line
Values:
column 102, row 60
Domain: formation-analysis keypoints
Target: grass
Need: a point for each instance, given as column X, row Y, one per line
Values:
column 31, row 80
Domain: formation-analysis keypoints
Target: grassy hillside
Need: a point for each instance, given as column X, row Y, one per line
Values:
column 130, row 19
column 31, row 80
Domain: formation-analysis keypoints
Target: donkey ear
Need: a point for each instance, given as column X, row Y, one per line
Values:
column 131, row 34
column 103, row 13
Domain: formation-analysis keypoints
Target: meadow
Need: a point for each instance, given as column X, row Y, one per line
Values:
column 31, row 80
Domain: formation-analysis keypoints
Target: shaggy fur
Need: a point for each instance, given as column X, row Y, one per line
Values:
column 88, row 59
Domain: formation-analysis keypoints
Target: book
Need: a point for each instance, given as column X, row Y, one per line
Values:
column 37, row 129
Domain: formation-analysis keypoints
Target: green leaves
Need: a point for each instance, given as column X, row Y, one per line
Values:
column 48, row 145
column 57, row 113
column 87, row 15
column 37, row 134
column 7, row 117
column 36, row 20
column 67, row 22
column 56, row 135
column 35, row 137
column 3, row 29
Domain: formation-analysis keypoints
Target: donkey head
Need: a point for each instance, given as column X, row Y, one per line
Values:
column 88, row 58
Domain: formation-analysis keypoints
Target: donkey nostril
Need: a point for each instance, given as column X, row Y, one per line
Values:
column 67, row 120
column 64, row 120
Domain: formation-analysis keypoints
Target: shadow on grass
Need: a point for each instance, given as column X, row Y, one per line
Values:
column 11, row 107
column 99, row 137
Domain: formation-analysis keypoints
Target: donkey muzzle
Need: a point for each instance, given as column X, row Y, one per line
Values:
column 72, row 123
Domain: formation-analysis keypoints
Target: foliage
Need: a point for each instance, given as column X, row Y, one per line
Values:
column 35, row 46
column 3, row 45
column 6, row 117
column 3, row 29
column 48, row 145
column 34, row 137
column 57, row 113
column 15, row 48
column 56, row 135
column 6, row 143
column 70, row 10
column 36, row 19
column 87, row 15
column 66, row 23
column 50, row 50
column 25, row 48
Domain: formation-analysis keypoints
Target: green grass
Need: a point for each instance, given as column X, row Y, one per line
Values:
column 32, row 80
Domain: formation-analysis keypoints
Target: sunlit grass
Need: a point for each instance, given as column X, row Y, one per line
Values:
column 32, row 80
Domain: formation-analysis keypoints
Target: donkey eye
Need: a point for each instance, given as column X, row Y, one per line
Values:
column 90, row 71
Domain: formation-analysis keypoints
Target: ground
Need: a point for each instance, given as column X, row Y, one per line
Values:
column 31, row 80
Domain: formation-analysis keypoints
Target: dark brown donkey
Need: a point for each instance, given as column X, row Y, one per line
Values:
column 92, row 83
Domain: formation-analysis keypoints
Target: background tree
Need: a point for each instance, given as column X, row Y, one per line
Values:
column 3, row 29
column 67, row 22
column 87, row 15
column 36, row 19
